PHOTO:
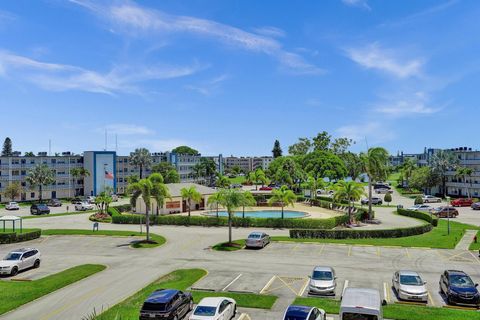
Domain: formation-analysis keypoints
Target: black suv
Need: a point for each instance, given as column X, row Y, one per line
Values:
column 459, row 288
column 166, row 304
column 39, row 208
column 54, row 203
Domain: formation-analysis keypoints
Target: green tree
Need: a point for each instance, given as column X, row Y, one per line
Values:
column 141, row 158
column 103, row 201
column 257, row 176
column 185, row 150
column 350, row 191
column 464, row 173
column 423, row 178
column 418, row 200
column 172, row 176
column 236, row 170
column 222, row 182
column 322, row 141
column 132, row 179
column 442, row 162
column 353, row 164
column 247, row 201
column 231, row 199
column 13, row 190
column 78, row 173
column 284, row 196
column 163, row 168
column 313, row 184
column 277, row 150
column 407, row 168
column 324, row 164
column 29, row 154
column 214, row 201
column 388, row 198
column 189, row 194
column 375, row 163
column 340, row 145
column 209, row 169
column 39, row 176
column 301, row 148
column 7, row 148
column 149, row 188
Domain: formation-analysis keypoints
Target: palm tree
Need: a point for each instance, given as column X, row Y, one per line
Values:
column 190, row 194
column 222, row 182
column 257, row 176
column 350, row 191
column 284, row 196
column 103, row 201
column 231, row 199
column 77, row 173
column 198, row 172
column 375, row 163
column 313, row 184
column 465, row 173
column 248, row 201
column 148, row 188
column 39, row 176
column 407, row 168
column 141, row 158
column 214, row 200
column 13, row 190
column 442, row 162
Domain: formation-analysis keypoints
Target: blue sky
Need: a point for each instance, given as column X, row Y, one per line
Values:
column 230, row 77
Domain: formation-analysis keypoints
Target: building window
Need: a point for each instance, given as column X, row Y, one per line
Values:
column 32, row 194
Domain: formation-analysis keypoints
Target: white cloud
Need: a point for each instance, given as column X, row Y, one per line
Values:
column 374, row 57
column 137, row 20
column 206, row 88
column 415, row 104
column 270, row 31
column 374, row 132
column 126, row 129
column 357, row 3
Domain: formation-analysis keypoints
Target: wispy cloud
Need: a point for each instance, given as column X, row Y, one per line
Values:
column 373, row 56
column 62, row 77
column 126, row 129
column 373, row 131
column 407, row 105
column 208, row 87
column 270, row 31
column 134, row 19
column 357, row 3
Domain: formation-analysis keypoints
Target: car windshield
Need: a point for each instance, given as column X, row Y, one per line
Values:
column 204, row 311
column 322, row 275
column 411, row 280
column 254, row 236
column 13, row 256
column 358, row 316
column 461, row 281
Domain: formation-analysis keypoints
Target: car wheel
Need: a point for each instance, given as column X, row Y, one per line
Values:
column 36, row 264
column 14, row 271
column 175, row 318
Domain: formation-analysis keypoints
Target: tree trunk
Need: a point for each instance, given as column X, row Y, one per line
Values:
column 282, row 211
column 189, row 204
column 243, row 212
column 444, row 185
column 370, row 214
column 147, row 223
column 229, row 227
column 217, row 210
column 350, row 211
column 141, row 171
column 256, row 185
column 40, row 193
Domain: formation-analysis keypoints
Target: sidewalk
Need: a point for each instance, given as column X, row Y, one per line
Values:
column 466, row 240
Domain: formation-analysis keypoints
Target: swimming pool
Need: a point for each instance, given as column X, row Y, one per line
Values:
column 262, row 214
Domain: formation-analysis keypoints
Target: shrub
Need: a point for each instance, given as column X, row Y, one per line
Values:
column 418, row 200
column 359, row 234
column 12, row 237
column 419, row 215
column 122, row 208
column 388, row 198
column 113, row 211
column 100, row 217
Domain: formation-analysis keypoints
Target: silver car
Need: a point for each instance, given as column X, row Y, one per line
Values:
column 421, row 207
column 257, row 240
column 322, row 281
column 409, row 286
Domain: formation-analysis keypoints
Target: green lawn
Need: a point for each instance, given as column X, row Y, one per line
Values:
column 119, row 233
column 181, row 280
column 393, row 177
column 397, row 311
column 237, row 180
column 14, row 294
column 17, row 230
column 437, row 238
column 225, row 247
column 475, row 246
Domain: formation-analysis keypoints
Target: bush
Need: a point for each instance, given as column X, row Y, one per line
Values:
column 418, row 200
column 359, row 234
column 122, row 208
column 113, row 211
column 388, row 198
column 100, row 217
column 419, row 215
column 12, row 237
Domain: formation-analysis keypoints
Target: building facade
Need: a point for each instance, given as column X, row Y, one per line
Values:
column 461, row 187
column 247, row 164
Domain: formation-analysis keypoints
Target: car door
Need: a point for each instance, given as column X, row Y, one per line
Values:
column 29, row 260
column 22, row 263
column 443, row 283
column 224, row 311
column 183, row 303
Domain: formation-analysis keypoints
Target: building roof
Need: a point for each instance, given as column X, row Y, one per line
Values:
column 10, row 218
column 360, row 297
column 174, row 188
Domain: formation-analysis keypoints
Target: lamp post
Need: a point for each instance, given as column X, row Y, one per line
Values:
column 104, row 175
column 448, row 215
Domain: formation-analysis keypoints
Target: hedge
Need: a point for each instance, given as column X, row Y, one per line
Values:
column 419, row 215
column 12, row 237
column 359, row 234
column 122, row 208
column 236, row 221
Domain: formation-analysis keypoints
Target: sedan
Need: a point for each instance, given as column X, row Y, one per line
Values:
column 476, row 206
column 19, row 260
column 445, row 212
column 12, row 206
column 322, row 281
column 54, row 203
column 430, row 199
column 257, row 240
column 39, row 208
column 421, row 207
column 461, row 202
column 459, row 288
column 375, row 200
column 294, row 312
column 383, row 191
column 409, row 286
column 215, row 308
column 84, row 206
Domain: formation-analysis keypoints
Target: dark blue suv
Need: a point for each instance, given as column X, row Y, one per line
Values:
column 459, row 288
column 168, row 304
column 304, row 313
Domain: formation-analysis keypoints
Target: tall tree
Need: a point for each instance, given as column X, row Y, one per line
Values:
column 322, row 141
column 149, row 188
column 172, row 176
column 375, row 163
column 257, row 176
column 423, row 178
column 350, row 191
column 78, row 173
column 185, row 150
column 231, row 199
column 313, row 184
column 209, row 169
column 324, row 164
column 407, row 168
column 277, row 150
column 464, row 173
column 103, row 201
column 13, row 190
column 284, row 196
column 190, row 194
column 162, row 168
column 353, row 164
column 214, row 201
column 222, row 182
column 141, row 158
column 247, row 201
column 29, row 154
column 39, row 176
column 443, row 161
column 7, row 148
column 340, row 145
column 301, row 148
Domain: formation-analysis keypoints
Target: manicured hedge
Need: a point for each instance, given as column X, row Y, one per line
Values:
column 12, row 237
column 419, row 215
column 113, row 211
column 359, row 234
column 237, row 222
column 122, row 208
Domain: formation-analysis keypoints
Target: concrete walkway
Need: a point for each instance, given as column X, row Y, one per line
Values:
column 467, row 239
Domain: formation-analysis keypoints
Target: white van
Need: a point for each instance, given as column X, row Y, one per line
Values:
column 361, row 304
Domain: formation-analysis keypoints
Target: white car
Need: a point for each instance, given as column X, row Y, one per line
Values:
column 215, row 308
column 409, row 286
column 383, row 191
column 84, row 206
column 90, row 199
column 430, row 199
column 421, row 207
column 12, row 206
column 18, row 260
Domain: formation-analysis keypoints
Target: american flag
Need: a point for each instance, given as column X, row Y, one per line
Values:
column 108, row 175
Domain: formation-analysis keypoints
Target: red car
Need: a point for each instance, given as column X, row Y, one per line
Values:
column 461, row 202
column 265, row 188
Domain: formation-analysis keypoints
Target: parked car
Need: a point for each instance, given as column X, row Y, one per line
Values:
column 18, row 260
column 383, row 191
column 461, row 202
column 54, row 203
column 322, row 281
column 75, row 200
column 375, row 200
column 459, row 288
column 430, row 199
column 12, row 205
column 257, row 240
column 409, row 286
column 265, row 188
column 166, row 304
column 295, row 312
column 84, row 206
column 382, row 185
column 90, row 199
column 421, row 207
column 39, row 208
column 445, row 212
column 114, row 197
column 475, row 206
column 215, row 308
column 360, row 303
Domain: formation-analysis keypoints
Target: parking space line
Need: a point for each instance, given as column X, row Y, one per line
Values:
column 386, row 292
column 345, row 286
column 287, row 285
column 430, row 298
column 474, row 256
column 244, row 316
column 378, row 251
column 269, row 283
column 228, row 285
column 349, row 251
column 459, row 256
column 304, row 287
column 321, row 249
column 407, row 254
column 296, row 247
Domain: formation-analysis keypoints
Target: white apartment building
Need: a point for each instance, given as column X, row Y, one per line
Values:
column 247, row 164
column 457, row 186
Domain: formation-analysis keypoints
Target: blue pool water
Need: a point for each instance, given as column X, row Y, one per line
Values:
column 262, row 214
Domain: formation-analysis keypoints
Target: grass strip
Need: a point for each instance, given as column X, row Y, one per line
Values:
column 475, row 246
column 397, row 311
column 14, row 294
column 159, row 240
column 224, row 246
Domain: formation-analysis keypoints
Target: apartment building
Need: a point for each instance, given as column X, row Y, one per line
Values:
column 247, row 164
column 457, row 186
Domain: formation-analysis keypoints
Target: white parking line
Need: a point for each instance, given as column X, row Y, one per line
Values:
column 228, row 285
column 345, row 286
column 307, row 281
column 386, row 293
column 269, row 283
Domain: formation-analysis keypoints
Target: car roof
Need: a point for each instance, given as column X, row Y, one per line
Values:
column 22, row 250
column 211, row 301
column 456, row 272
column 407, row 273
column 320, row 268
column 298, row 311
column 366, row 298
column 256, row 232
column 161, row 296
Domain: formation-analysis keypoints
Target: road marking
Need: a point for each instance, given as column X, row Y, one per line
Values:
column 461, row 257
column 386, row 293
column 244, row 316
column 345, row 286
column 474, row 256
column 378, row 251
column 228, row 285
column 287, row 285
column 296, row 247
column 349, row 251
column 269, row 283
column 321, row 249
column 304, row 287
column 407, row 253
column 430, row 298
